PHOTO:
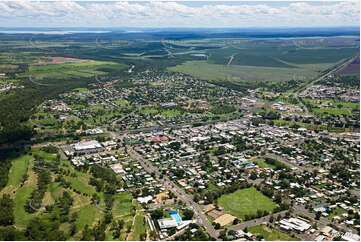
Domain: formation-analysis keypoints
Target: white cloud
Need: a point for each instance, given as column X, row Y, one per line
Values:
column 177, row 14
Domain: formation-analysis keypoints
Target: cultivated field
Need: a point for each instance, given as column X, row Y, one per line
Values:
column 217, row 72
column 352, row 68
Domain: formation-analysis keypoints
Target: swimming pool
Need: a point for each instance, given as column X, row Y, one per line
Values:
column 176, row 217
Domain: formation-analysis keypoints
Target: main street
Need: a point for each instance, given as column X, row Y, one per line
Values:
column 188, row 199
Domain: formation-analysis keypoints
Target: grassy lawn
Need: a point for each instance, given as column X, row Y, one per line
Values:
column 43, row 154
column 335, row 111
column 48, row 122
column 18, row 170
column 80, row 186
column 246, row 202
column 139, row 228
column 21, row 216
column 212, row 187
column 262, row 164
column 55, row 190
column 121, row 102
column 171, row 113
column 81, row 89
column 270, row 234
column 148, row 110
column 122, row 204
column 329, row 106
column 86, row 216
column 336, row 212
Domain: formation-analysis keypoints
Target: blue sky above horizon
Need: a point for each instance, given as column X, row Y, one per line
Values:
column 158, row 14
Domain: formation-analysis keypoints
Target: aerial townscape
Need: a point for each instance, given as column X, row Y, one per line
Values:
column 172, row 134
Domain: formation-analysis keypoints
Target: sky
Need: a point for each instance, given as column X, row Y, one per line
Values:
column 161, row 14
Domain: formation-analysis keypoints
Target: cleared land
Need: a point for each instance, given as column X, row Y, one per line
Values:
column 352, row 68
column 225, row 219
column 266, row 60
column 246, row 202
column 79, row 69
column 217, row 72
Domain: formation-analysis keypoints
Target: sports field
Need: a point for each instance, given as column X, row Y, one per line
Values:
column 246, row 202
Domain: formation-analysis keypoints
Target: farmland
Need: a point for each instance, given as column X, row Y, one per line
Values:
column 352, row 68
column 266, row 62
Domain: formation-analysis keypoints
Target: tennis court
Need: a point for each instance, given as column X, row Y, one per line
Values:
column 215, row 213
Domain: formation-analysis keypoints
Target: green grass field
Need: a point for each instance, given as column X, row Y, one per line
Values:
column 43, row 154
column 87, row 69
column 329, row 106
column 21, row 216
column 80, row 186
column 55, row 190
column 148, row 110
column 86, row 216
column 122, row 204
column 171, row 113
column 270, row 234
column 336, row 212
column 139, row 228
column 18, row 170
column 262, row 164
column 246, row 202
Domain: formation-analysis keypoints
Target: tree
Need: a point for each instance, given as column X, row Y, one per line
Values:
column 318, row 215
column 235, row 221
column 188, row 214
column 143, row 236
column 157, row 214
column 6, row 210
column 73, row 230
column 129, row 228
column 175, row 145
column 259, row 213
column 121, row 224
column 253, row 176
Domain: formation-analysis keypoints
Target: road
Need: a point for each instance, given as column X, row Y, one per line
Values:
column 188, row 199
column 301, row 209
column 287, row 162
column 257, row 221
column 230, row 59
